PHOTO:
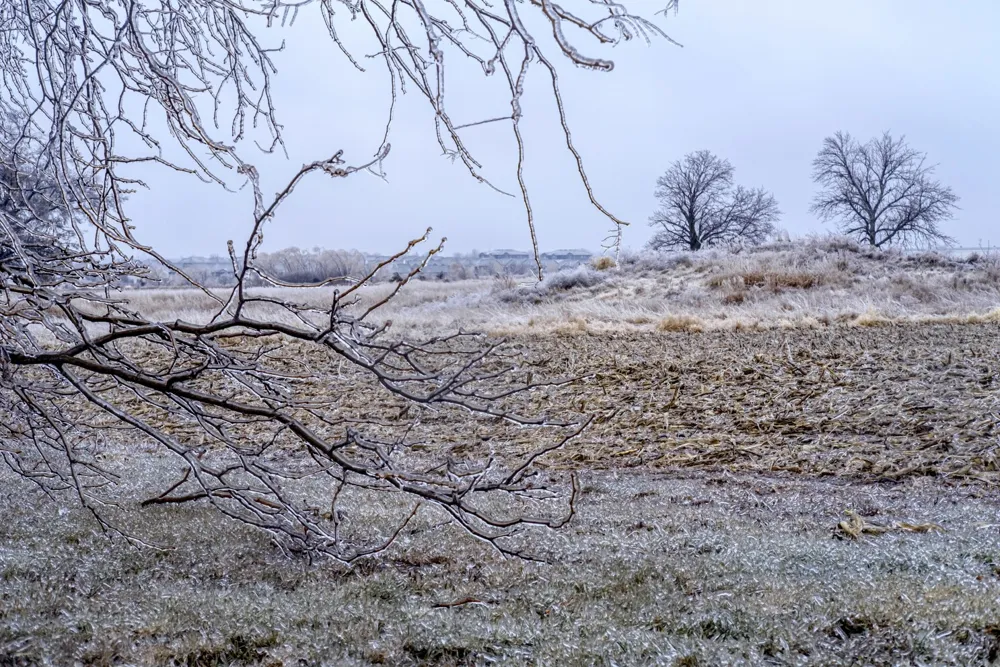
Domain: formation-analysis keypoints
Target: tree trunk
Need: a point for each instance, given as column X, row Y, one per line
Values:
column 694, row 241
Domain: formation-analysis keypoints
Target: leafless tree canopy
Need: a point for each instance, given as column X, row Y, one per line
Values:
column 700, row 206
column 270, row 404
column 36, row 220
column 881, row 192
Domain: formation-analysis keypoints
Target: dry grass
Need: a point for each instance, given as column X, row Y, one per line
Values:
column 772, row 280
column 810, row 284
column 680, row 323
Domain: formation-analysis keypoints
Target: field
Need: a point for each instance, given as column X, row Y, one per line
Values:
column 785, row 467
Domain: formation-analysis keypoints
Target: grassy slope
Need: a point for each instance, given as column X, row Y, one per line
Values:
column 808, row 284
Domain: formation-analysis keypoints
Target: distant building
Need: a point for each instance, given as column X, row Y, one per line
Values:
column 505, row 254
column 211, row 264
column 577, row 255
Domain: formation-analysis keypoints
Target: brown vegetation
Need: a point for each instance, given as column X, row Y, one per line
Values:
column 603, row 263
column 867, row 403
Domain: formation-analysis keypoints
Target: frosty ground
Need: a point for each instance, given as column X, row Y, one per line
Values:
column 794, row 466
column 671, row 568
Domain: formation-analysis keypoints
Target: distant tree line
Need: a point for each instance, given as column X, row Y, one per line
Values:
column 318, row 265
column 881, row 192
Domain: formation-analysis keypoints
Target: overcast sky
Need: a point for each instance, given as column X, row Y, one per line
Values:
column 760, row 83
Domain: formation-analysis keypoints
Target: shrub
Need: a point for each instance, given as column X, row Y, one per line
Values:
column 990, row 265
column 773, row 280
column 506, row 290
column 680, row 323
column 734, row 298
column 603, row 263
column 581, row 276
column 833, row 243
column 658, row 261
column 503, row 282
column 794, row 280
column 932, row 259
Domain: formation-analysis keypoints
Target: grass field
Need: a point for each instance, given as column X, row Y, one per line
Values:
column 673, row 568
column 759, row 486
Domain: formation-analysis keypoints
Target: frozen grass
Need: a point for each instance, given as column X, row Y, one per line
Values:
column 684, row 570
column 815, row 283
column 551, row 287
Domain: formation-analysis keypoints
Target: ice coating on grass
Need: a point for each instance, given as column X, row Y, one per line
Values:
column 714, row 567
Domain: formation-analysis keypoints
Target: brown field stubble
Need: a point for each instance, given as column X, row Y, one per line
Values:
column 882, row 402
column 870, row 403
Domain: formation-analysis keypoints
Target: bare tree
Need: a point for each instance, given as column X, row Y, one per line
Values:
column 279, row 414
column 881, row 192
column 700, row 206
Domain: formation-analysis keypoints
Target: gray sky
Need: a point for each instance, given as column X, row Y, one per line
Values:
column 760, row 83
